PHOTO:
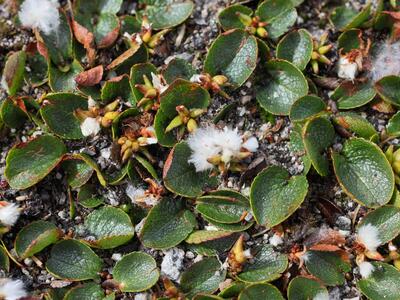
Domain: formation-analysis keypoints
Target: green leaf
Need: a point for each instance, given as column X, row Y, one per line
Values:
column 181, row 178
column 181, row 92
column 58, row 43
column 38, row 69
column 393, row 126
column 306, row 107
column 268, row 265
column 12, row 114
column 383, row 283
column 136, row 77
column 34, row 237
column 280, row 86
column 207, row 297
column 4, row 259
column 135, row 272
column 364, row 173
column 64, row 81
column 318, row 135
column 356, row 123
column 28, row 163
column 261, row 291
column 164, row 14
column 345, row 17
column 167, row 224
column 237, row 227
column 88, row 198
column 303, row 288
column 74, row 261
column 89, row 291
column 327, row 266
column 202, row 277
column 275, row 195
column 59, row 114
column 211, row 242
column 349, row 40
column 178, row 69
column 279, row 14
column 13, row 72
column 77, row 171
column 89, row 161
column 224, row 206
column 228, row 18
column 233, row 290
column 389, row 89
column 117, row 87
column 386, row 219
column 109, row 226
column 116, row 124
column 350, row 95
column 297, row 146
column 233, row 54
column 296, row 47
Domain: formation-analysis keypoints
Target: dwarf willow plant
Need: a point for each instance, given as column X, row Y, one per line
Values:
column 101, row 71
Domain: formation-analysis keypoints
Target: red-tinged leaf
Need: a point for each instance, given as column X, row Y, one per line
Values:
column 86, row 38
column 110, row 38
column 90, row 77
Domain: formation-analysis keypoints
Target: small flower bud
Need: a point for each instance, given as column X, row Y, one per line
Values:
column 176, row 122
column 191, row 125
column 262, row 32
column 245, row 19
column 220, row 79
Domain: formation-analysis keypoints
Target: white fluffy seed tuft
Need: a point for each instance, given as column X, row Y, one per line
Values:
column 346, row 69
column 385, row 62
column 208, row 142
column 12, row 289
column 9, row 213
column 90, row 126
column 40, row 14
column 368, row 235
column 366, row 269
column 139, row 196
column 321, row 296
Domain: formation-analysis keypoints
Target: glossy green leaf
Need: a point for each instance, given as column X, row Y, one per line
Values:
column 228, row 18
column 306, row 107
column 4, row 260
column 389, row 89
column 13, row 72
column 167, row 224
column 387, row 221
column 318, row 135
column 382, row 284
column 350, row 95
column 12, row 114
column 202, row 277
column 181, row 178
column 87, row 291
column 28, row 163
column 74, row 261
column 345, row 17
column 224, row 206
column 77, row 171
column 178, row 68
column 118, row 87
column 327, row 266
column 393, row 126
column 87, row 196
column 64, row 81
column 261, row 291
column 166, row 13
column 279, row 14
column 34, row 237
column 275, row 195
column 364, row 172
column 303, row 288
column 108, row 227
column 356, row 123
column 233, row 54
column 135, row 272
column 280, row 85
column 59, row 114
column 349, row 40
column 296, row 47
column 181, row 92
column 58, row 43
column 211, row 242
column 268, row 265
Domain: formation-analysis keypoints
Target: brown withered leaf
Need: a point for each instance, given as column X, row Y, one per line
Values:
column 86, row 38
column 325, row 235
column 90, row 77
column 124, row 56
column 110, row 38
